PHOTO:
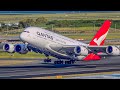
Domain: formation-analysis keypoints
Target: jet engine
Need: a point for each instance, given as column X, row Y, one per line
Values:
column 80, row 50
column 21, row 48
column 113, row 50
column 9, row 48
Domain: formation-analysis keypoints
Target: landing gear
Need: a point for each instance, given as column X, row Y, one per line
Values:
column 47, row 60
column 66, row 62
column 70, row 62
column 58, row 62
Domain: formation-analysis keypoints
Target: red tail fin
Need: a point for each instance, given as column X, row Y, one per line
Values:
column 100, row 36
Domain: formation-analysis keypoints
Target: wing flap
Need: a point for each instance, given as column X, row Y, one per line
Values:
column 97, row 49
column 66, row 49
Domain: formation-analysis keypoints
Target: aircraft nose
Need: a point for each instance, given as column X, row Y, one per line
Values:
column 22, row 36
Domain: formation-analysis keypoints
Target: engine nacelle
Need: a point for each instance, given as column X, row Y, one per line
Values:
column 9, row 48
column 80, row 50
column 113, row 50
column 21, row 48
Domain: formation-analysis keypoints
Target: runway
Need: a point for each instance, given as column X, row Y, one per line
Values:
column 38, row 69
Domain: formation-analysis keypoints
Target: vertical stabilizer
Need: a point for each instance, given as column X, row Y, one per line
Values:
column 100, row 36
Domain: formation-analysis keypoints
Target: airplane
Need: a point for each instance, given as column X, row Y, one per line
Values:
column 65, row 49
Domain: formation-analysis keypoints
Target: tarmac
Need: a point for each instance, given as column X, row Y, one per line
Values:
column 37, row 69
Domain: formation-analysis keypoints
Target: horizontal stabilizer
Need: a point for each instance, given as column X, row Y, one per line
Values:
column 92, row 56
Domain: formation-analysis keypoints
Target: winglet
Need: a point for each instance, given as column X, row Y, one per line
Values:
column 100, row 36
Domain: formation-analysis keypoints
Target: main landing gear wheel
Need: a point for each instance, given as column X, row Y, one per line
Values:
column 58, row 62
column 70, row 62
column 66, row 62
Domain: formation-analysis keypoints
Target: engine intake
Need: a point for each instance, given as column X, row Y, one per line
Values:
column 80, row 50
column 21, row 48
column 113, row 50
column 9, row 48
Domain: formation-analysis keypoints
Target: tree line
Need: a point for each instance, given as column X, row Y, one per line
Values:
column 43, row 22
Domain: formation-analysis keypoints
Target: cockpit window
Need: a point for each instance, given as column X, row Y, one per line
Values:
column 26, row 31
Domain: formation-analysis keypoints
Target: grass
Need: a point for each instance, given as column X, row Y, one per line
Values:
column 17, row 55
column 15, row 62
column 89, row 36
column 64, row 16
column 31, row 55
column 77, row 28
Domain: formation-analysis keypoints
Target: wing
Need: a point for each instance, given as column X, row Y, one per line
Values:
column 109, row 50
column 69, row 49
column 82, row 50
column 97, row 49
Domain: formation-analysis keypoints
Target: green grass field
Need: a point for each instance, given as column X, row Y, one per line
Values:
column 17, row 55
column 64, row 16
column 90, row 36
column 77, row 28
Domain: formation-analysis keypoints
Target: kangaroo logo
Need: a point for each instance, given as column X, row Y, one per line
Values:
column 98, row 42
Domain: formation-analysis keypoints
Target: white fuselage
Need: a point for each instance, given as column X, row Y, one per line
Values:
column 42, row 38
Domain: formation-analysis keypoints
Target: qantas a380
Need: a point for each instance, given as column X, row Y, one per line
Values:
column 66, row 50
